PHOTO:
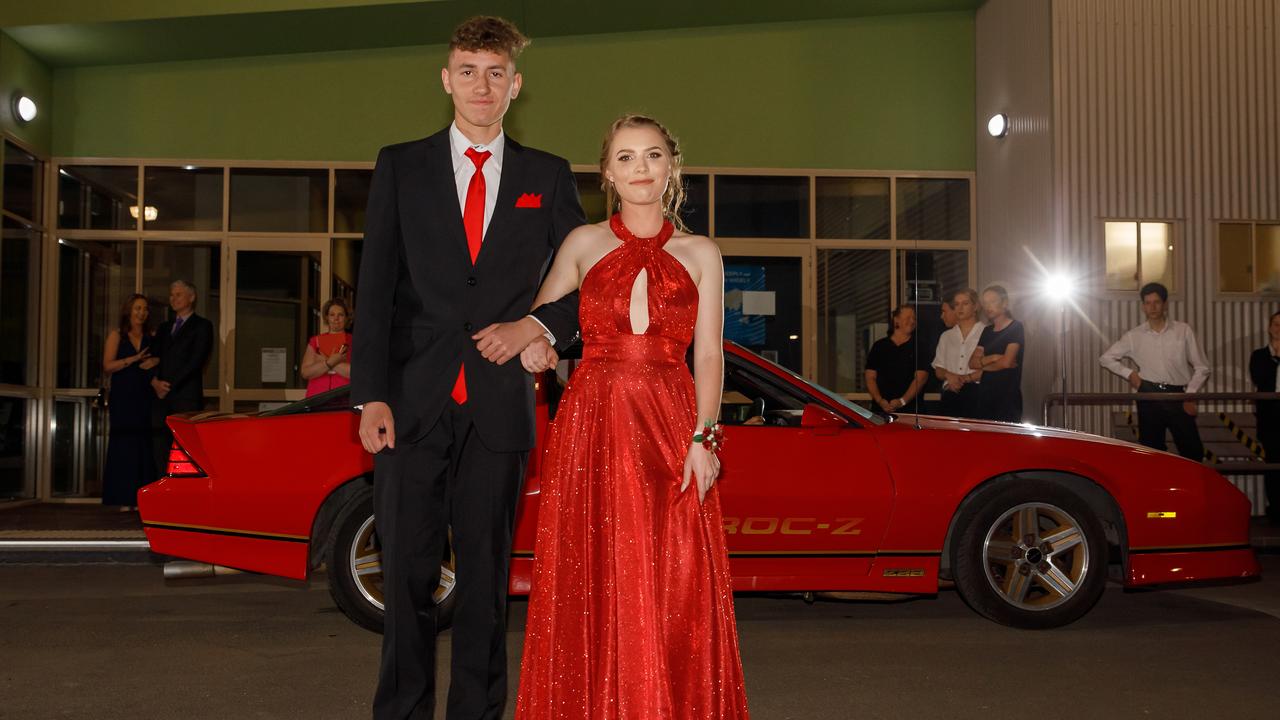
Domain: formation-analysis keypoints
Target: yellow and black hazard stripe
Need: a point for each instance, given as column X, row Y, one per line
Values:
column 1250, row 443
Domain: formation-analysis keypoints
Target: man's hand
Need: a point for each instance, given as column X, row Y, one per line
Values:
column 1190, row 408
column 377, row 427
column 975, row 360
column 1135, row 380
column 161, row 387
column 539, row 356
column 500, row 342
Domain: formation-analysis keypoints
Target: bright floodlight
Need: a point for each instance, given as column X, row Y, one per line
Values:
column 998, row 125
column 1058, row 286
column 26, row 109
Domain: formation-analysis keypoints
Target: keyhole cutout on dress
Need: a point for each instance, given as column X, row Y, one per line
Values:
column 640, row 303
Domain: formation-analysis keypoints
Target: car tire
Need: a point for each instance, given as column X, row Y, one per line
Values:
column 1029, row 554
column 354, row 564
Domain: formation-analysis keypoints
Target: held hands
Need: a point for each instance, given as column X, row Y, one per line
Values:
column 539, row 356
column 377, row 427
column 500, row 342
column 702, row 465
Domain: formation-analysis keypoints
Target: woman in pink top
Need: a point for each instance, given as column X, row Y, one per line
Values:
column 326, row 364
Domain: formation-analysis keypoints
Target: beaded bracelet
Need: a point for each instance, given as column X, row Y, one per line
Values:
column 711, row 436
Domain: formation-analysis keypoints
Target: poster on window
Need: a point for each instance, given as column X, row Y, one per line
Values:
column 743, row 291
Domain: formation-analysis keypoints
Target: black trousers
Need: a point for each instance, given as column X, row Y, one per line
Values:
column 447, row 479
column 1154, row 418
column 963, row 404
column 1269, row 436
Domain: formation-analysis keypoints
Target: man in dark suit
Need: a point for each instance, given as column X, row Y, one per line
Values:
column 461, row 227
column 183, row 345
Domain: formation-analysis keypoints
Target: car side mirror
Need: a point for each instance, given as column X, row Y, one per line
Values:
column 820, row 418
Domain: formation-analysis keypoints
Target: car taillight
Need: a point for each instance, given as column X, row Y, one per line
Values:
column 181, row 464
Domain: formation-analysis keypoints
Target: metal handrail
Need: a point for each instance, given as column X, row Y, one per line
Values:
column 1124, row 398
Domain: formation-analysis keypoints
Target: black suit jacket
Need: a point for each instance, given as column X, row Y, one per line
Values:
column 1262, row 370
column 182, row 360
column 420, row 298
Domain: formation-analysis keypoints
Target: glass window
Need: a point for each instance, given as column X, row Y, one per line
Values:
column 15, row 479
column 268, row 200
column 79, row 444
column 1267, row 261
column 1138, row 253
column 853, row 208
column 751, row 397
column 762, row 206
column 19, row 301
column 276, row 312
column 346, row 268
column 1235, row 257
column 763, row 307
column 350, row 199
column 92, row 197
column 925, row 279
column 933, row 209
column 853, row 312
column 23, row 180
column 696, row 210
column 94, row 278
column 183, row 198
column 595, row 205
column 199, row 264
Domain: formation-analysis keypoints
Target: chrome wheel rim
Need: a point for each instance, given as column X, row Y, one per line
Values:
column 364, row 562
column 1036, row 556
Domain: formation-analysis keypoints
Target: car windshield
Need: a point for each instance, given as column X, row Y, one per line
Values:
column 833, row 397
column 336, row 399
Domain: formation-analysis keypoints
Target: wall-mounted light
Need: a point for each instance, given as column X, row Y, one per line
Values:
column 149, row 214
column 998, row 125
column 24, row 108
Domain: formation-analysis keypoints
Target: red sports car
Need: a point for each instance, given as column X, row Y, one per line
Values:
column 818, row 495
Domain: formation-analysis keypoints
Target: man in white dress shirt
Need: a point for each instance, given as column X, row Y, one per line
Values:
column 1168, row 359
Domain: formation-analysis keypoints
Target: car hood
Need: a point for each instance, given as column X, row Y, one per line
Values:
column 936, row 422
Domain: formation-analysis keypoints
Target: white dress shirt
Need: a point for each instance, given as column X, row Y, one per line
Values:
column 1171, row 356
column 464, row 170
column 955, row 349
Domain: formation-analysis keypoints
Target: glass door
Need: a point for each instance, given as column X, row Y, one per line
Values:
column 278, row 287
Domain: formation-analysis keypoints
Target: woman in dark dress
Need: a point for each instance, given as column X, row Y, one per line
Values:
column 895, row 373
column 127, row 360
column 1264, row 366
column 999, row 357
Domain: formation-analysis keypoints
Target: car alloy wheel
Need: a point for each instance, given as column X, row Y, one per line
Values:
column 365, row 565
column 1036, row 556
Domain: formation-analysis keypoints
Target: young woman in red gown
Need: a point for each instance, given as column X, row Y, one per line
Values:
column 631, row 614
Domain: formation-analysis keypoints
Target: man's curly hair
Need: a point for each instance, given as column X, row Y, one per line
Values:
column 485, row 33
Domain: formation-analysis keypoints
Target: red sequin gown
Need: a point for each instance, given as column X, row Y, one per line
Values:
column 631, row 614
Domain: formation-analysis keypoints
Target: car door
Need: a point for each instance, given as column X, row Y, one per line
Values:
column 804, row 507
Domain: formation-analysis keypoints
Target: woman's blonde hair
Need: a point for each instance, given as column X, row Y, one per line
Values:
column 673, row 196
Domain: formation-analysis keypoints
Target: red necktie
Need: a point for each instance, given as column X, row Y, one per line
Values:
column 473, row 224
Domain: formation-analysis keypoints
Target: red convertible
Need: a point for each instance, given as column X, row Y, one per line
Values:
column 818, row 495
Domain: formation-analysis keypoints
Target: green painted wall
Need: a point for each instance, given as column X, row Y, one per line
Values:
column 19, row 71
column 888, row 92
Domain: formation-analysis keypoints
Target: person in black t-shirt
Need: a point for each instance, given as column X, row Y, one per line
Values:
column 895, row 372
column 999, row 357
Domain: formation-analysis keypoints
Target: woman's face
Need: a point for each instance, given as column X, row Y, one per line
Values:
column 906, row 321
column 337, row 319
column 962, row 304
column 139, row 312
column 639, row 165
column 992, row 304
column 1274, row 329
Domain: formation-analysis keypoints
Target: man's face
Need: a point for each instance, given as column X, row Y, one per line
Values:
column 181, row 298
column 1153, row 306
column 482, row 85
column 948, row 315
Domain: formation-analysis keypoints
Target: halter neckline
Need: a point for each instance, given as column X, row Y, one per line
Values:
column 625, row 235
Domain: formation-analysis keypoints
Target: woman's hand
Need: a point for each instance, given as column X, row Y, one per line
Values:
column 333, row 360
column 702, row 465
column 539, row 356
column 975, row 360
column 150, row 363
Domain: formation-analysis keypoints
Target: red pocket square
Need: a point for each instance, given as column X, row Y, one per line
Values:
column 529, row 200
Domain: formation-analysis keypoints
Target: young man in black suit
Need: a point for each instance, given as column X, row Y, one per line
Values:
column 183, row 345
column 461, row 227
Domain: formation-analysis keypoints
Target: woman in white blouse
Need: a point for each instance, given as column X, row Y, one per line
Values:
column 951, row 361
